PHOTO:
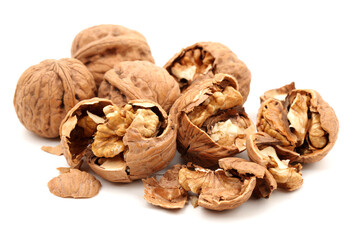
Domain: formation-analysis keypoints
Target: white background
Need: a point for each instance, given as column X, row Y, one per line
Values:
column 309, row 42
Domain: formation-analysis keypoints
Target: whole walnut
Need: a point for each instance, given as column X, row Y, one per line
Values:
column 204, row 60
column 47, row 91
column 101, row 47
column 120, row 144
column 131, row 80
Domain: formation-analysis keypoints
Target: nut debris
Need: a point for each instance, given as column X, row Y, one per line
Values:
column 74, row 184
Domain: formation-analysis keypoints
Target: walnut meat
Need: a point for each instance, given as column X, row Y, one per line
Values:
column 75, row 184
column 211, row 121
column 131, row 80
column 261, row 149
column 47, row 91
column 205, row 59
column 167, row 192
column 101, row 47
column 304, row 123
column 128, row 143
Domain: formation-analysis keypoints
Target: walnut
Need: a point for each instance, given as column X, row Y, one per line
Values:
column 217, row 190
column 304, row 123
column 130, row 142
column 167, row 192
column 47, row 91
column 260, row 147
column 204, row 60
column 211, row 122
column 131, row 80
column 101, row 47
column 75, row 184
column 278, row 93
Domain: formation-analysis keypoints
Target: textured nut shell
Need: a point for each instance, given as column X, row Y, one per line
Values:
column 101, row 47
column 131, row 80
column 167, row 192
column 145, row 156
column 194, row 144
column 74, row 184
column 278, row 93
column 225, row 61
column 47, row 91
column 329, row 123
column 69, row 123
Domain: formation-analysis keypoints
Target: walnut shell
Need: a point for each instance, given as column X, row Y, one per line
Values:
column 304, row 123
column 220, row 133
column 47, row 91
column 205, row 59
column 118, row 150
column 131, row 80
column 74, row 183
column 101, row 47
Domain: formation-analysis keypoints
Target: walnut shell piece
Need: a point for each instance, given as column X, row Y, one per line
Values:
column 216, row 190
column 47, row 91
column 305, row 124
column 74, row 184
column 101, row 47
column 167, row 192
column 211, row 122
column 204, row 60
column 131, row 80
column 128, row 143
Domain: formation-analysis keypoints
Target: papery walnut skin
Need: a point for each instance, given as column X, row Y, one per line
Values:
column 223, row 61
column 75, row 184
column 47, row 91
column 101, row 47
column 131, row 80
column 194, row 143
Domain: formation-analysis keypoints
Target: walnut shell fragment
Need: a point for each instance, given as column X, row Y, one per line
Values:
column 261, row 149
column 74, row 184
column 216, row 190
column 131, row 80
column 47, row 91
column 212, row 123
column 101, row 47
column 304, row 123
column 119, row 144
column 204, row 60
column 167, row 192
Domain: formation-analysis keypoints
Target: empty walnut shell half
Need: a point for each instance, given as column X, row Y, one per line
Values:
column 47, row 91
column 261, row 149
column 131, row 80
column 217, row 190
column 167, row 192
column 205, row 59
column 304, row 123
column 101, row 47
column 119, row 144
column 211, row 121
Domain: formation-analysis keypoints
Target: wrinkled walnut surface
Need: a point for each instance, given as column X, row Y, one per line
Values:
column 211, row 122
column 47, row 91
column 304, row 123
column 204, row 60
column 131, row 80
column 167, row 192
column 128, row 143
column 101, row 47
column 74, row 183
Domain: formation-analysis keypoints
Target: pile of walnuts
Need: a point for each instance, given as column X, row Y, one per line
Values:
column 116, row 111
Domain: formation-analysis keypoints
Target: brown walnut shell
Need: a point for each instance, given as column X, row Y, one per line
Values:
column 208, row 59
column 305, row 124
column 197, row 143
column 101, row 47
column 139, row 157
column 47, row 91
column 131, row 80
